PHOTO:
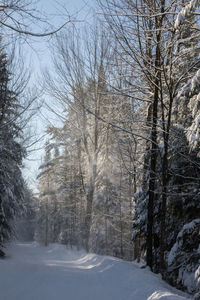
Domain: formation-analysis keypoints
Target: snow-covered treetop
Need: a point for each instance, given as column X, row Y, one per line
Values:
column 185, row 12
column 191, row 88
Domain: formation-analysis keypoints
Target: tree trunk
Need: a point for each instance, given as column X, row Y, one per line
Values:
column 153, row 154
column 88, row 218
column 152, row 179
column 164, row 190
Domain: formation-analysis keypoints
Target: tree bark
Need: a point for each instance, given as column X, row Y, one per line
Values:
column 153, row 155
column 164, row 190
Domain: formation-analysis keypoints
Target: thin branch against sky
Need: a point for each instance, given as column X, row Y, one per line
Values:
column 38, row 57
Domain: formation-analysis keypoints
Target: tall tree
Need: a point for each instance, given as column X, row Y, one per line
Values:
column 151, row 48
column 11, row 181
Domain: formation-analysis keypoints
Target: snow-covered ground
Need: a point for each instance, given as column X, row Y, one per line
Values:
column 32, row 272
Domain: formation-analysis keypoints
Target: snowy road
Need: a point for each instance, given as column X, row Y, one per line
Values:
column 55, row 273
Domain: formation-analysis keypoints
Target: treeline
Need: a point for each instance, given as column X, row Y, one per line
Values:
column 16, row 199
column 121, row 174
column 18, row 104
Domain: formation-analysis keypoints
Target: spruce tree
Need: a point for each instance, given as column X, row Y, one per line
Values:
column 11, row 153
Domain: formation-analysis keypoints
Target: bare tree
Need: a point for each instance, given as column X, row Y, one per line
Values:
column 148, row 37
column 20, row 16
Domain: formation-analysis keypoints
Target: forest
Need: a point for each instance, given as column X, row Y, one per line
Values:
column 121, row 172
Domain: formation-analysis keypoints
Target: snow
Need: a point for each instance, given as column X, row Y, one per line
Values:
column 56, row 273
column 193, row 134
column 197, row 275
column 172, row 253
column 179, row 20
column 185, row 12
column 195, row 81
column 188, row 227
column 177, row 245
column 46, row 164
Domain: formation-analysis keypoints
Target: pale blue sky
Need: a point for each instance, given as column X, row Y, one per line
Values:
column 38, row 56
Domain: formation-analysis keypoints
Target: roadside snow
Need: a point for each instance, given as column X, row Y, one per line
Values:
column 32, row 272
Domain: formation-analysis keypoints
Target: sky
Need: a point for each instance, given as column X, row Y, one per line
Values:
column 38, row 57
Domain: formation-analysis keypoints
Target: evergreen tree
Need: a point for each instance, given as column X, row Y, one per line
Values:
column 25, row 224
column 11, row 181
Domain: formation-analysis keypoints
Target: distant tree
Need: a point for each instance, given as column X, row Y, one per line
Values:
column 25, row 223
column 46, row 199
